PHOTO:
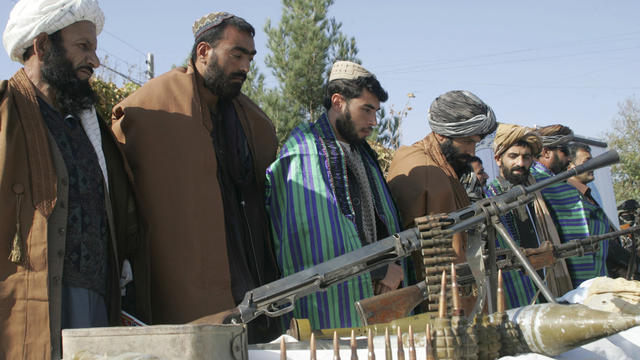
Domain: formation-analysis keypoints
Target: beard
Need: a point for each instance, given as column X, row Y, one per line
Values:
column 72, row 95
column 346, row 129
column 458, row 161
column 220, row 83
column 557, row 165
column 513, row 178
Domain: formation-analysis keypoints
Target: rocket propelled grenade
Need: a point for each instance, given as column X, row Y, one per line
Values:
column 551, row 329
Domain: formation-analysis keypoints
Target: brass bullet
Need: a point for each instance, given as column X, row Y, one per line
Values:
column 312, row 347
column 283, row 349
column 400, row 349
column 500, row 307
column 442, row 305
column 387, row 345
column 428, row 345
column 354, row 346
column 371, row 355
column 412, row 345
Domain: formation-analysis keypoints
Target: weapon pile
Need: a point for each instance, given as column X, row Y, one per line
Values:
column 548, row 329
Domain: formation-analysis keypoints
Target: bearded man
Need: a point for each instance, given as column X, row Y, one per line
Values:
column 68, row 212
column 199, row 149
column 326, row 196
column 574, row 216
column 514, row 149
column 475, row 180
column 425, row 177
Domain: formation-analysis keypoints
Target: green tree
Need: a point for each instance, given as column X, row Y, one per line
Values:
column 624, row 138
column 109, row 94
column 387, row 132
column 303, row 46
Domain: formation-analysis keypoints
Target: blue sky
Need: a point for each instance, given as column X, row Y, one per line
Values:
column 541, row 62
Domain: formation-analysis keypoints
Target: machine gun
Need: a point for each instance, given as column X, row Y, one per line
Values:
column 278, row 297
column 399, row 303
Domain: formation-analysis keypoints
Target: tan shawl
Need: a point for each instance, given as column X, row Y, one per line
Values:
column 423, row 183
column 164, row 128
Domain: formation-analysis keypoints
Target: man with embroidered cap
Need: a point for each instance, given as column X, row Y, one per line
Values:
column 425, row 177
column 326, row 196
column 199, row 149
column 574, row 216
column 68, row 212
column 515, row 148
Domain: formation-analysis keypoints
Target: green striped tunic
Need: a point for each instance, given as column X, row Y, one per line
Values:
column 313, row 219
column 575, row 218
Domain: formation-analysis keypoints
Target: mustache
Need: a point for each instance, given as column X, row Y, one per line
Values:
column 521, row 168
column 239, row 74
column 85, row 67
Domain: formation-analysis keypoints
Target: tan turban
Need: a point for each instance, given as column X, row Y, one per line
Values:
column 507, row 135
column 348, row 70
column 30, row 18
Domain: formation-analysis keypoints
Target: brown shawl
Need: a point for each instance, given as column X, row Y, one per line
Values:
column 164, row 128
column 423, row 183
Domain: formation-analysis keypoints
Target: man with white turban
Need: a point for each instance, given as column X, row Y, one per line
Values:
column 515, row 148
column 65, row 198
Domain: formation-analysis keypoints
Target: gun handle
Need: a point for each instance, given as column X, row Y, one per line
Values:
column 225, row 317
column 540, row 257
column 389, row 306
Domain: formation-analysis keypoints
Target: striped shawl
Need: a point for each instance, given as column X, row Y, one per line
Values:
column 575, row 218
column 313, row 220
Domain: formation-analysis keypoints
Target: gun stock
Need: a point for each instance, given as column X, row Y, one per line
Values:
column 392, row 305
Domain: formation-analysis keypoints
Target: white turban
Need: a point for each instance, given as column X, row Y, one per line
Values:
column 30, row 18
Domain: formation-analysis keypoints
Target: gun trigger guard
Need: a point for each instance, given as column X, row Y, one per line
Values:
column 284, row 310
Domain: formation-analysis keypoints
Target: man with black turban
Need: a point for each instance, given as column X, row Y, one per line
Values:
column 424, row 178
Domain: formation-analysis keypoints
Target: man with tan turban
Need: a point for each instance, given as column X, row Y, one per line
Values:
column 68, row 214
column 574, row 216
column 198, row 149
column 515, row 148
column 326, row 196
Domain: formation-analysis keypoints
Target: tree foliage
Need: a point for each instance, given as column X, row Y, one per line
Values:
column 387, row 131
column 109, row 94
column 624, row 137
column 303, row 46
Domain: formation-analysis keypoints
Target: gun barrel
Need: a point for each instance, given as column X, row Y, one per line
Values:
column 602, row 160
column 568, row 246
column 276, row 298
column 474, row 214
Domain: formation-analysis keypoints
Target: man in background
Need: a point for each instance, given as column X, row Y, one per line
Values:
column 474, row 181
column 515, row 148
column 575, row 217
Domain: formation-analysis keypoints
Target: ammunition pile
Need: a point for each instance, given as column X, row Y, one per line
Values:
column 548, row 329
column 437, row 254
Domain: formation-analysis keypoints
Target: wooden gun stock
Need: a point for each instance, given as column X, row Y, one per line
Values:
column 391, row 305
column 224, row 317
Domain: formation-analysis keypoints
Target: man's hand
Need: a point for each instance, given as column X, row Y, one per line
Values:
column 391, row 280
